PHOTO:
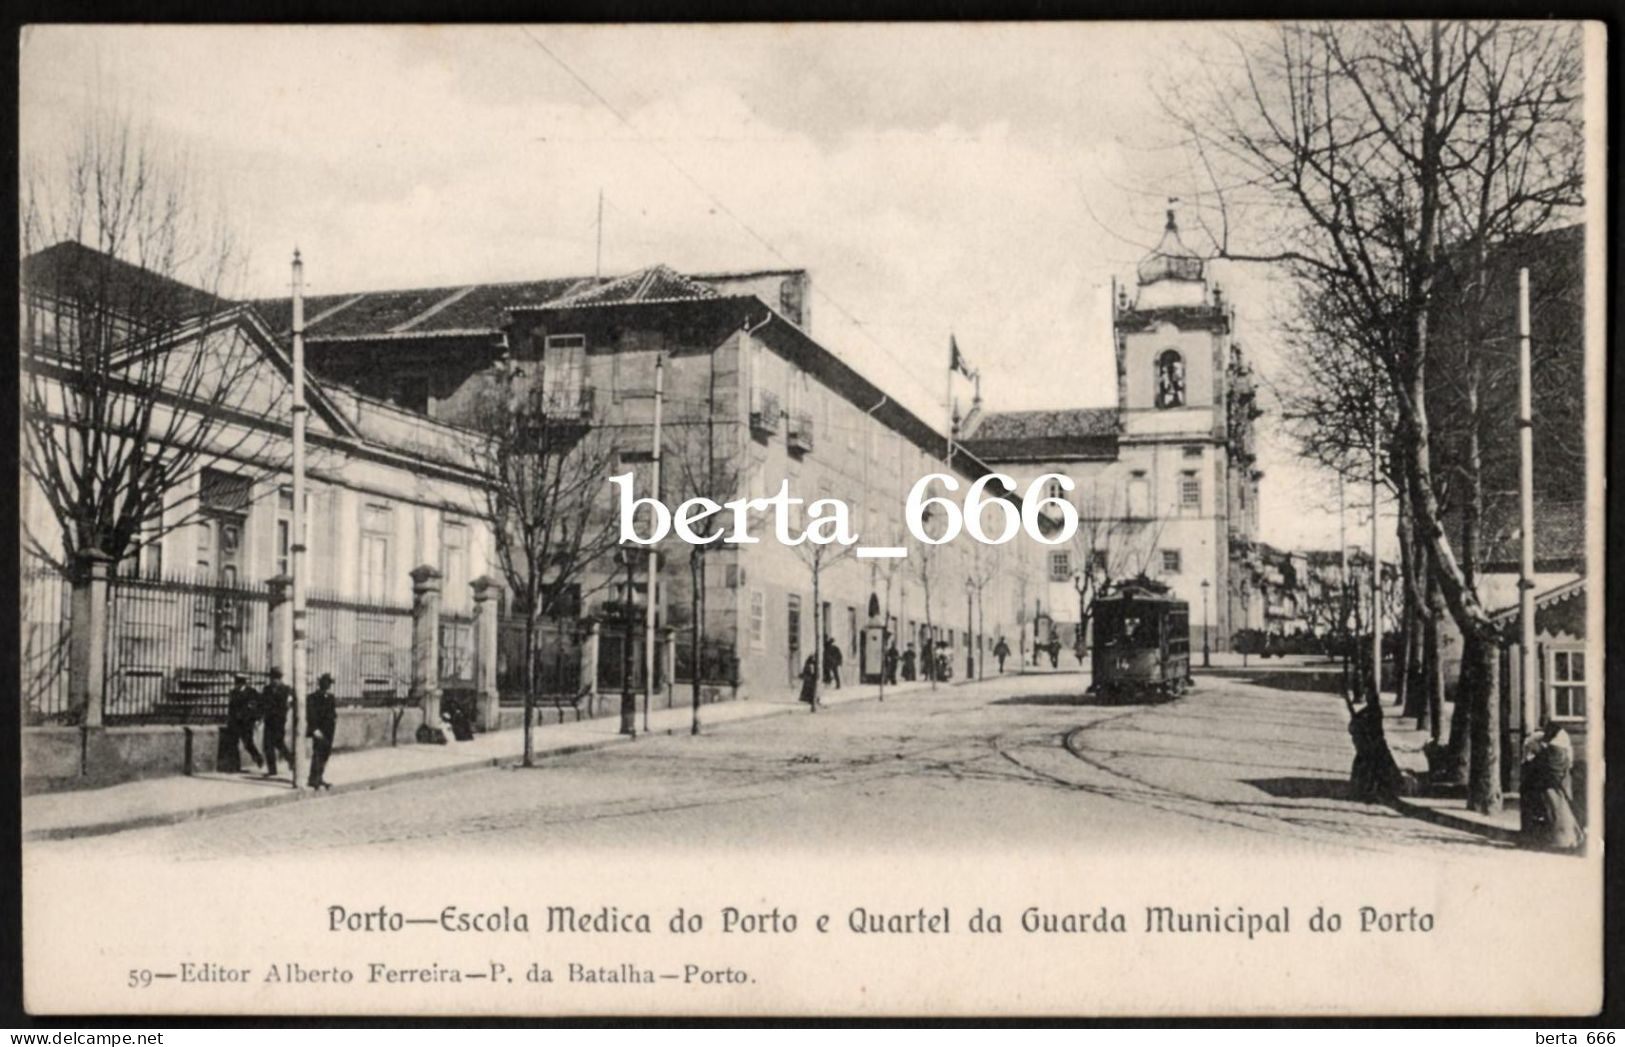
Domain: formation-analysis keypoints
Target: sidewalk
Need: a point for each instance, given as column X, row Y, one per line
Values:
column 166, row 801
column 1405, row 741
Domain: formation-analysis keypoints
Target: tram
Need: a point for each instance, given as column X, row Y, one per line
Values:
column 1142, row 645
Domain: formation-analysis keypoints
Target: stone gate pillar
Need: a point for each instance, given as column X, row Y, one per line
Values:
column 279, row 616
column 486, row 591
column 588, row 681
column 668, row 663
column 87, row 640
column 426, row 648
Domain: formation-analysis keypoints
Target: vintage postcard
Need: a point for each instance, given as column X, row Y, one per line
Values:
column 822, row 520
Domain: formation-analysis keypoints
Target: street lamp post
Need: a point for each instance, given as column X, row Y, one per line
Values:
column 1207, row 655
column 629, row 703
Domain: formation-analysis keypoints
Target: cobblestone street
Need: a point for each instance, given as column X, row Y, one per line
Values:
column 1017, row 761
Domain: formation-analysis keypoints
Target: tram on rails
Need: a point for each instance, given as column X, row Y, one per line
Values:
column 1142, row 645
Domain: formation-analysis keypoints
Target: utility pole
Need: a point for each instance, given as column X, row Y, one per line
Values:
column 629, row 703
column 298, row 670
column 1529, row 707
column 598, row 256
column 653, row 554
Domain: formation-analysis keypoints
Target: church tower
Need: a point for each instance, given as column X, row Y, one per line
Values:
column 1176, row 365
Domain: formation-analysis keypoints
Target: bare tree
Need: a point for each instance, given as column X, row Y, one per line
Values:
column 701, row 458
column 818, row 559
column 547, row 498
column 1376, row 150
column 1109, row 547
column 135, row 374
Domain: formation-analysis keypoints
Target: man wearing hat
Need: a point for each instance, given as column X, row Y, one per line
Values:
column 322, row 712
column 274, row 701
column 242, row 715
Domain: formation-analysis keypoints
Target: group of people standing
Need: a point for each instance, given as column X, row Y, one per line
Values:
column 907, row 662
column 266, row 708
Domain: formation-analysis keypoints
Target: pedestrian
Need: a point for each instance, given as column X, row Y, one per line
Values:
column 1546, row 792
column 322, row 712
column 1054, row 654
column 890, row 667
column 809, row 681
column 908, row 663
column 832, row 662
column 1001, row 651
column 274, row 700
column 242, row 716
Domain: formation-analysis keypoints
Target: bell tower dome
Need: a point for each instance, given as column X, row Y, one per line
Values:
column 1172, row 274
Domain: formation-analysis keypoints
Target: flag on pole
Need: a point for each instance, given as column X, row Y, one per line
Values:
column 956, row 359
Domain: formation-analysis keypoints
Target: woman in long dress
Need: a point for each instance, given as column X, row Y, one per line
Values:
column 1546, row 801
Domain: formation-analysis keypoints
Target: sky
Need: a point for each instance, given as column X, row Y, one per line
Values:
column 984, row 181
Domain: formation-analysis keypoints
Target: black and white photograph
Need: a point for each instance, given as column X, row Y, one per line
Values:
column 812, row 519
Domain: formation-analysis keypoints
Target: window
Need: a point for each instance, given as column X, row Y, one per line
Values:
column 1097, row 561
column 563, row 360
column 1170, row 379
column 1053, row 489
column 284, row 531
column 1568, row 679
column 1060, row 565
column 758, row 619
column 1139, row 497
column 1193, row 450
column 377, row 527
column 1170, row 561
column 1190, row 490
column 454, row 562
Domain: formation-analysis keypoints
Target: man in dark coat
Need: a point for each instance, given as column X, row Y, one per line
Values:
column 274, row 701
column 1001, row 651
column 321, row 709
column 908, row 662
column 832, row 662
column 890, row 666
column 242, row 716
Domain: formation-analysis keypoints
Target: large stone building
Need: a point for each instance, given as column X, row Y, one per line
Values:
column 1165, row 480
column 742, row 368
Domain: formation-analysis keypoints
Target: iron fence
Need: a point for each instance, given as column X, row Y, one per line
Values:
column 558, row 659
column 367, row 646
column 175, row 643
column 717, row 662
column 44, row 646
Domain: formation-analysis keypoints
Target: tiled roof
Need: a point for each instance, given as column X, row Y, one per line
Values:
column 472, row 309
column 1560, row 531
column 658, row 283
column 72, row 270
column 1084, row 432
column 426, row 310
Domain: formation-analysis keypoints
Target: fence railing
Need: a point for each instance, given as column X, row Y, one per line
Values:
column 44, row 646
column 367, row 646
column 717, row 662
column 175, row 643
column 558, row 659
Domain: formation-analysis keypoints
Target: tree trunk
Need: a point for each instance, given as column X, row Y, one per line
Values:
column 530, row 684
column 1484, row 773
column 696, row 572
column 1432, row 663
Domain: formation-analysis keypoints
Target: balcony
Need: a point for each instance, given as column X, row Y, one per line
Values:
column 564, row 406
column 799, row 437
column 764, row 412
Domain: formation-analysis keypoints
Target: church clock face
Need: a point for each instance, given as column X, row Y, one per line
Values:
column 1170, row 379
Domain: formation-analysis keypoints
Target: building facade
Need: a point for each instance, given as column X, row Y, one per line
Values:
column 1165, row 481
